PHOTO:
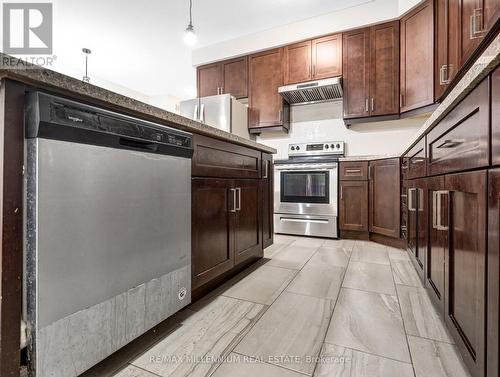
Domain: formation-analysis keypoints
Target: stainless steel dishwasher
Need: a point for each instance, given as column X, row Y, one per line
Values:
column 108, row 230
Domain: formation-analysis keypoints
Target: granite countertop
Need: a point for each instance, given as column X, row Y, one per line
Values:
column 369, row 157
column 39, row 77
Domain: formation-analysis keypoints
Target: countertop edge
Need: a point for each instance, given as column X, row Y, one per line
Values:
column 59, row 83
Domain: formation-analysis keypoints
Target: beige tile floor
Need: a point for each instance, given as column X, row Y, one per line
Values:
column 311, row 307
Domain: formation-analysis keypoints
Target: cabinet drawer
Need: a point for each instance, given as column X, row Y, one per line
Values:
column 216, row 158
column 354, row 171
column 460, row 140
column 415, row 161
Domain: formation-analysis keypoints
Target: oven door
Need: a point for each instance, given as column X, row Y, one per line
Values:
column 306, row 189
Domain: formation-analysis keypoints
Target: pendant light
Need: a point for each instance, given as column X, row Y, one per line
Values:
column 189, row 35
column 87, row 52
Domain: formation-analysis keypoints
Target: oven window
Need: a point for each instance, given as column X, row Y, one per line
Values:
column 305, row 187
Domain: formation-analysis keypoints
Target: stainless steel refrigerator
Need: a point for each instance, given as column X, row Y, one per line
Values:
column 222, row 111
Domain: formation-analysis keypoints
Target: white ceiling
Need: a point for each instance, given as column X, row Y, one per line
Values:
column 138, row 44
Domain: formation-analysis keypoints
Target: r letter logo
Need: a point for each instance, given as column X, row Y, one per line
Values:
column 27, row 28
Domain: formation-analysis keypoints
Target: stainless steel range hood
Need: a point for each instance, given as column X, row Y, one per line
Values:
column 313, row 91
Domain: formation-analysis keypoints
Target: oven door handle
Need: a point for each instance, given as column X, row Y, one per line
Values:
column 307, row 169
column 294, row 220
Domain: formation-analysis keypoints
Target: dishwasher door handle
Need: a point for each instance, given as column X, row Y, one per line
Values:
column 138, row 144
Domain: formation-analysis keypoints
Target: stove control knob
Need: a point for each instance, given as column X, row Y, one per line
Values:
column 338, row 146
column 293, row 148
column 298, row 148
column 332, row 146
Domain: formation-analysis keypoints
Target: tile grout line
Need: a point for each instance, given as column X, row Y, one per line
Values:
column 334, row 307
column 403, row 322
column 370, row 353
column 268, row 307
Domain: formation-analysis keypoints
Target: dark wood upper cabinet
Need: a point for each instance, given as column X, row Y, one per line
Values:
column 417, row 58
column 385, row 187
column 356, row 73
column 493, row 283
column 209, row 80
column 353, row 205
column 235, row 77
column 465, row 302
column 447, row 38
column 371, row 71
column 490, row 14
column 229, row 76
column 297, row 62
column 384, row 70
column 327, row 57
column 266, row 107
column 495, row 117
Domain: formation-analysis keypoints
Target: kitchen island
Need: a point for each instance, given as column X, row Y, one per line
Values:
column 231, row 190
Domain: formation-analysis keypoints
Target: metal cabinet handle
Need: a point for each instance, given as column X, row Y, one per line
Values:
column 401, row 100
column 473, row 32
column 366, row 105
column 410, row 200
column 341, row 192
column 349, row 171
column 314, row 70
column 238, row 192
column 373, row 104
column 436, row 209
column 280, row 114
column 266, row 169
column 221, row 90
column 233, row 191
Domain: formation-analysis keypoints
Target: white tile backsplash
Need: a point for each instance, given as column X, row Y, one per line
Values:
column 323, row 122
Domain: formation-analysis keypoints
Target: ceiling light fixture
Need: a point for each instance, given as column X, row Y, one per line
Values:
column 189, row 35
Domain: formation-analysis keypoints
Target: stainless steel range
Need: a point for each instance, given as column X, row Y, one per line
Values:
column 306, row 190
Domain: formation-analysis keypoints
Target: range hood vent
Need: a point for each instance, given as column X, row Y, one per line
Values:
column 312, row 92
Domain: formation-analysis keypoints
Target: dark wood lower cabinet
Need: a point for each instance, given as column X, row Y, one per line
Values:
column 353, row 205
column 247, row 224
column 416, row 222
column 212, row 236
column 465, row 301
column 438, row 242
column 267, row 201
column 226, row 225
column 493, row 270
column 385, row 188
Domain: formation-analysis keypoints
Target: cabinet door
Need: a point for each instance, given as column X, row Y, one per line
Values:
column 438, row 242
column 495, row 117
column 354, row 205
column 466, row 266
column 209, row 80
column 384, row 70
column 447, row 40
column 247, row 220
column 235, row 77
column 490, row 14
column 471, row 28
column 356, row 73
column 416, row 224
column 266, row 107
column 327, row 57
column 297, row 62
column 493, row 284
column 212, row 251
column 267, row 200
column 417, row 58
column 384, row 197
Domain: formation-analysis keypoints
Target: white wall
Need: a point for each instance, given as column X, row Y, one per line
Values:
column 323, row 122
column 370, row 12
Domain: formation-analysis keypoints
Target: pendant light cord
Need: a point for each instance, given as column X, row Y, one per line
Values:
column 190, row 12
